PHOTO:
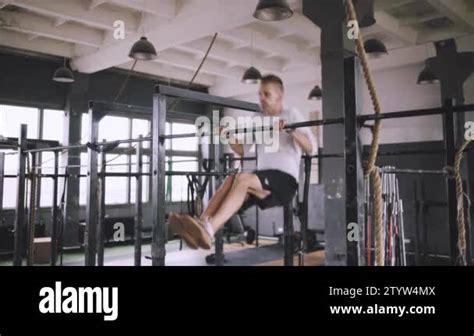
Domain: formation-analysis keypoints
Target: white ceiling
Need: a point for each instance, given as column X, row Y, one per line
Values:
column 181, row 31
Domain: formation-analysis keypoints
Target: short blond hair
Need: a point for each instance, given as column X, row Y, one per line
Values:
column 273, row 79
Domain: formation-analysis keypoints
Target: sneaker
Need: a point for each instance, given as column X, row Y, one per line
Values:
column 176, row 226
column 198, row 231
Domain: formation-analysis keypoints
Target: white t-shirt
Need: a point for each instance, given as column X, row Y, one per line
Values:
column 287, row 156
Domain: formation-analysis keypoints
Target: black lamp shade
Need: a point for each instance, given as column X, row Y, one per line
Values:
column 427, row 76
column 143, row 50
column 365, row 12
column 251, row 76
column 63, row 75
column 316, row 93
column 273, row 10
column 375, row 48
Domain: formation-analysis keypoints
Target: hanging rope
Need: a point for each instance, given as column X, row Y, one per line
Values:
column 370, row 168
column 460, row 204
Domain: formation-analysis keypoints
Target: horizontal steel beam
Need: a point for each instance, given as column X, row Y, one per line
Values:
column 200, row 97
column 116, row 108
column 415, row 113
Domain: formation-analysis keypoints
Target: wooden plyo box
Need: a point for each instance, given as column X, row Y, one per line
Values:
column 42, row 250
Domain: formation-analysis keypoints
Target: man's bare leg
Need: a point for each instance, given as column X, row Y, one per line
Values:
column 244, row 184
column 218, row 197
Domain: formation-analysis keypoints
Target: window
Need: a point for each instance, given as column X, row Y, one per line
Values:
column 185, row 144
column 117, row 128
column 116, row 187
column 53, row 125
column 145, row 179
column 9, row 186
column 83, row 180
column 178, row 185
column 141, row 127
column 47, row 167
column 53, row 129
column 11, row 117
column 114, row 128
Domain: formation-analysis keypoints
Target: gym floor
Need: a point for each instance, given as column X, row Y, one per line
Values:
column 236, row 254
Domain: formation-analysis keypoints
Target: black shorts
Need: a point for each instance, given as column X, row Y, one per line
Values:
column 282, row 186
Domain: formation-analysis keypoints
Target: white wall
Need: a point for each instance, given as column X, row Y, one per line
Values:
column 398, row 91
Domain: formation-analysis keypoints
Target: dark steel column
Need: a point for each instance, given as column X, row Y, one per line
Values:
column 100, row 224
column 449, row 142
column 214, row 156
column 159, row 235
column 2, row 181
column 54, row 212
column 304, row 208
column 92, row 192
column 19, row 235
column 138, row 205
column 330, row 16
column 354, row 173
column 288, row 234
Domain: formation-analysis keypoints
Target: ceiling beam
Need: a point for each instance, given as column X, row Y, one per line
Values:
column 190, row 24
column 456, row 11
column 413, row 20
column 95, row 3
column 212, row 67
column 162, row 8
column 229, row 88
column 392, row 26
column 4, row 4
column 169, row 72
column 222, row 53
column 261, row 42
column 59, row 22
column 72, row 10
column 32, row 24
column 385, row 5
column 41, row 45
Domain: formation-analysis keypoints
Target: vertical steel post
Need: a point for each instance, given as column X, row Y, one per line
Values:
column 138, row 205
column 101, row 223
column 288, row 233
column 19, row 234
column 92, row 190
column 54, row 212
column 2, row 181
column 353, row 176
column 449, row 142
column 159, row 235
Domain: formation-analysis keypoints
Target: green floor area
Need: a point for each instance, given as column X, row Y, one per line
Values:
column 76, row 257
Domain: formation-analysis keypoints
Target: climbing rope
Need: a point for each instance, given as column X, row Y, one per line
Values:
column 460, row 204
column 370, row 168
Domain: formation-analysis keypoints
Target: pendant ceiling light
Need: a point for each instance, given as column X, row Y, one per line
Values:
column 252, row 76
column 427, row 77
column 375, row 48
column 63, row 74
column 273, row 10
column 316, row 93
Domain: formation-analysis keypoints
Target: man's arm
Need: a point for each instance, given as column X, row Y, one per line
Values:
column 235, row 145
column 302, row 140
column 237, row 148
